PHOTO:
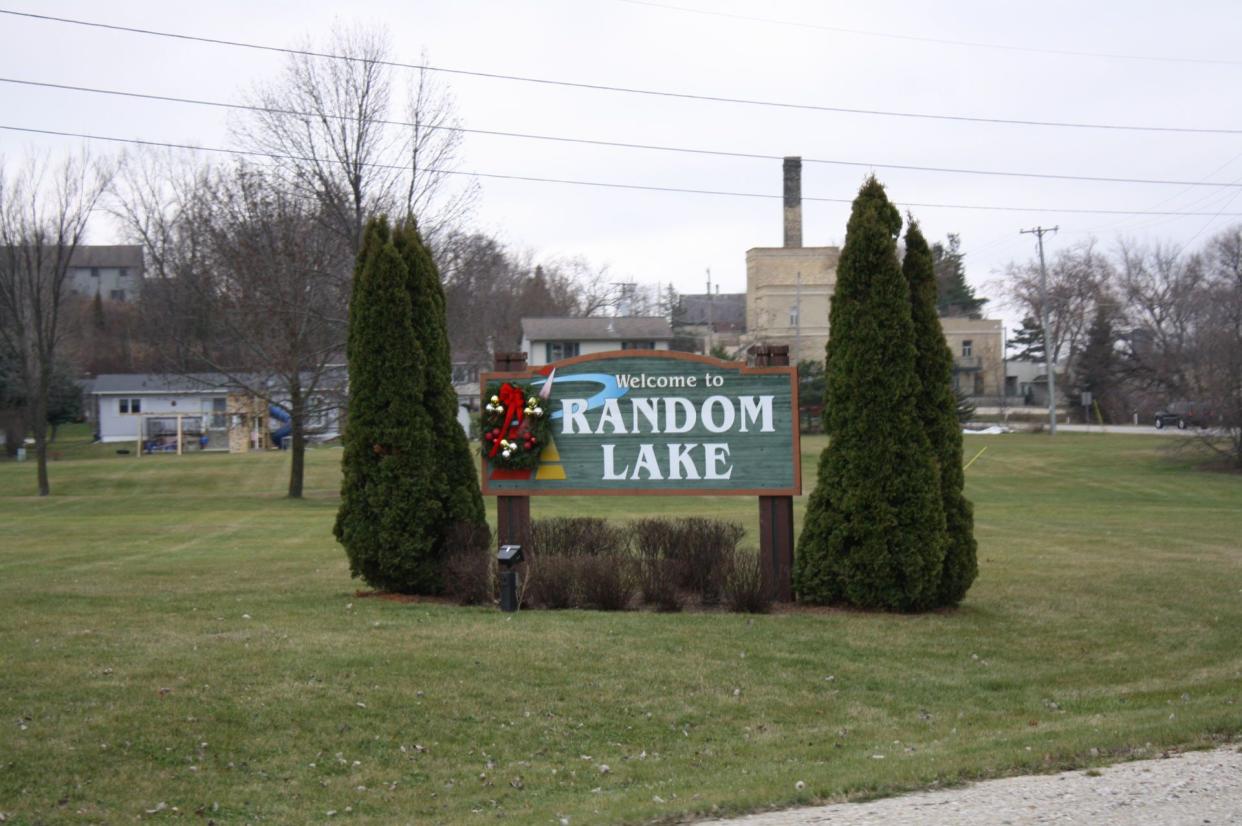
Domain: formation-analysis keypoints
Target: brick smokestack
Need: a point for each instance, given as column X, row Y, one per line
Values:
column 793, row 201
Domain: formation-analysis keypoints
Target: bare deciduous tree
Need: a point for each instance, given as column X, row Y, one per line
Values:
column 44, row 211
column 324, row 125
column 249, row 285
column 1076, row 278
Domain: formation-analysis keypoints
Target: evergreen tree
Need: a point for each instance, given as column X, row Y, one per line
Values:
column 874, row 533
column 938, row 408
column 389, row 510
column 456, row 476
column 955, row 296
column 1097, row 366
column 1027, row 341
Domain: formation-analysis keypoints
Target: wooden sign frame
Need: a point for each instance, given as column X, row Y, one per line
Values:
column 693, row 358
column 775, row 504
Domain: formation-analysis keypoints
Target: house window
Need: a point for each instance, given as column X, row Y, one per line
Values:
column 967, row 348
column 793, row 316
column 116, row 295
column 218, row 409
column 131, row 405
column 94, row 272
column 123, row 272
column 638, row 345
column 557, row 350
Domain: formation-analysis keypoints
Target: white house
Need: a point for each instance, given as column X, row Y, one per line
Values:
column 153, row 406
column 546, row 340
column 112, row 272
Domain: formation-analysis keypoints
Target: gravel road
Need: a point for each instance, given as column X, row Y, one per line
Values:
column 1203, row 787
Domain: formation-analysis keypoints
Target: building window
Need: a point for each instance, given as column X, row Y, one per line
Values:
column 793, row 316
column 638, row 345
column 131, row 405
column 217, row 413
column 116, row 295
column 94, row 272
column 123, row 272
column 557, row 350
column 967, row 348
column 465, row 373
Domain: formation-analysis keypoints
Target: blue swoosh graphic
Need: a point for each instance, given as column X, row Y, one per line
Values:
column 611, row 390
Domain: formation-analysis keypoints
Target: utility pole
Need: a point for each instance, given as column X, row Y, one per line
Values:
column 798, row 320
column 711, row 313
column 1050, row 367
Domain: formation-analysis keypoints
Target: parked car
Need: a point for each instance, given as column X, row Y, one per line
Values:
column 1184, row 415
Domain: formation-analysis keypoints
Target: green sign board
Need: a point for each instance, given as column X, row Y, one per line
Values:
column 654, row 422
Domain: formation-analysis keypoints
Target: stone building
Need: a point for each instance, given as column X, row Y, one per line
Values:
column 789, row 288
column 789, row 293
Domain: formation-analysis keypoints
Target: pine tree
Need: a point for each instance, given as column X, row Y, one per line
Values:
column 1027, row 341
column 955, row 296
column 388, row 504
column 1097, row 366
column 938, row 408
column 456, row 476
column 874, row 533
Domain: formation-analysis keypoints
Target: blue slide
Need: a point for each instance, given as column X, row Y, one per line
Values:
column 279, row 434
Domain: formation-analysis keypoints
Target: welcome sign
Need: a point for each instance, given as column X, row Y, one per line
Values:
column 649, row 422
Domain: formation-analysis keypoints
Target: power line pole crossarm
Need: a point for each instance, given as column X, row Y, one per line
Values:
column 1049, row 360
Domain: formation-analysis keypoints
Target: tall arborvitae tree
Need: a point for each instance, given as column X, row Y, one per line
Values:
column 874, row 533
column 938, row 410
column 456, row 476
column 389, row 509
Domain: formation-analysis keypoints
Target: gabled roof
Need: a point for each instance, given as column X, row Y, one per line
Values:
column 641, row 328
column 159, row 383
column 333, row 378
column 120, row 255
column 726, row 310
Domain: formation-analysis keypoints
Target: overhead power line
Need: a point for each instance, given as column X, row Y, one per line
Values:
column 602, row 184
column 621, row 144
column 601, row 87
column 940, row 41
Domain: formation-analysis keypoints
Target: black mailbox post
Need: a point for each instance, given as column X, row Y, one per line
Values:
column 507, row 557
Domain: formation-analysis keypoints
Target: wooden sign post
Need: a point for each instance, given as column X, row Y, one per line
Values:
column 653, row 423
column 512, row 512
column 776, row 533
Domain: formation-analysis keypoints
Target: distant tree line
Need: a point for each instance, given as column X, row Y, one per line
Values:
column 1142, row 327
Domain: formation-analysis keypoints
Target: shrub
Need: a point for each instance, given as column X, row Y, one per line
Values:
column 744, row 591
column 552, row 581
column 659, row 581
column 468, row 568
column 703, row 547
column 689, row 554
column 576, row 536
column 607, row 581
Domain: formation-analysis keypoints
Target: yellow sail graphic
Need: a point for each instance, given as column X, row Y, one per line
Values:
column 550, row 466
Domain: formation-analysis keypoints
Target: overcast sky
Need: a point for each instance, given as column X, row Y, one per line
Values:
column 666, row 237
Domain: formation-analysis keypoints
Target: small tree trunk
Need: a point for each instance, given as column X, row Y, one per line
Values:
column 297, row 443
column 39, row 426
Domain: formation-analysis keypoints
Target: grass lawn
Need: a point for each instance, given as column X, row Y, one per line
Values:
column 174, row 633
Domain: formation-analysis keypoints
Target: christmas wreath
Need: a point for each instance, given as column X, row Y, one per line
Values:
column 516, row 425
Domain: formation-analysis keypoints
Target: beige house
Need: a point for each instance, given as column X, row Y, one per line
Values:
column 546, row 340
column 978, row 347
column 789, row 292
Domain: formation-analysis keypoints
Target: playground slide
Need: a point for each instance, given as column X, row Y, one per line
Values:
column 279, row 434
